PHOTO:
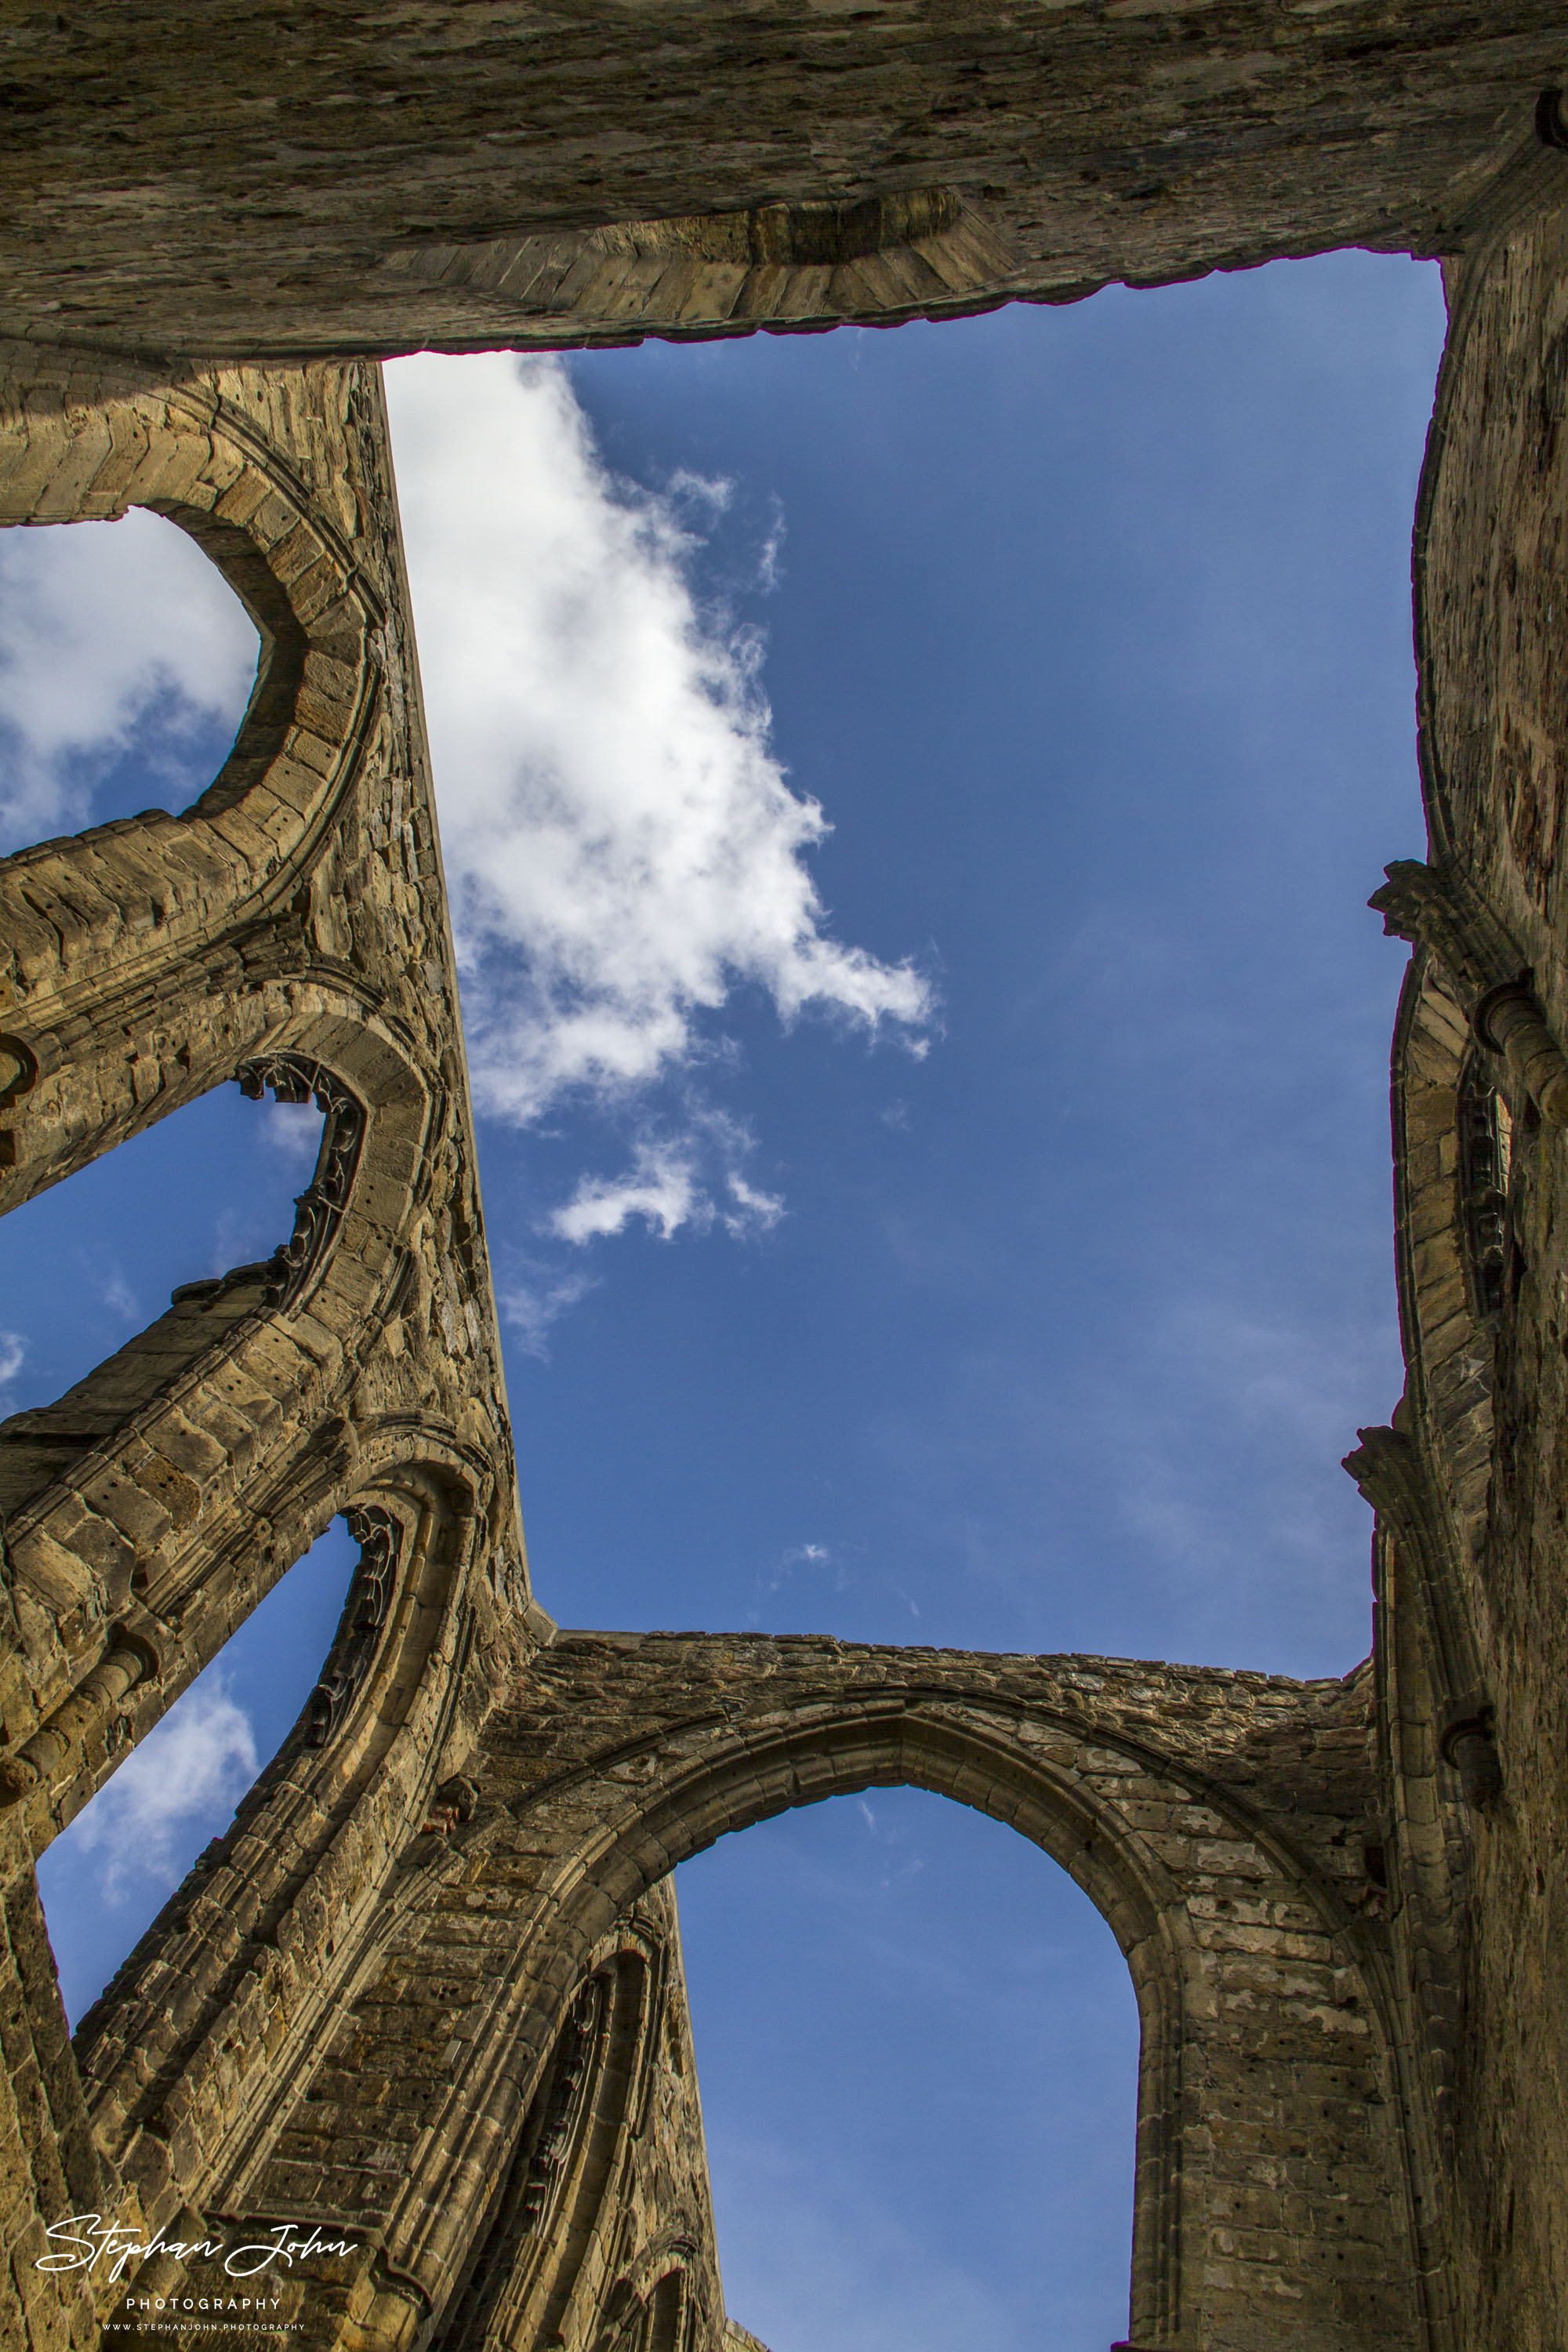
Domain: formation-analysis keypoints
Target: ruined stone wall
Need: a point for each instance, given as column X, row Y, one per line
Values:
column 1470, row 1482
column 342, row 178
column 584, row 2223
column 1219, row 1821
column 290, row 927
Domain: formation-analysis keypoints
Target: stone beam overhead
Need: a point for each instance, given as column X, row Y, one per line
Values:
column 344, row 179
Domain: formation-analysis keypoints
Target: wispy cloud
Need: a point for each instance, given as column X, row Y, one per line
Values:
column 118, row 1296
column 811, row 1556
column 623, row 848
column 690, row 1179
column 13, row 1355
column 533, row 1295
column 111, row 633
column 292, row 1130
column 660, row 1187
column 199, row 1760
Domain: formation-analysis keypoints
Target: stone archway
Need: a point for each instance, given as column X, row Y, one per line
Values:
column 1173, row 1796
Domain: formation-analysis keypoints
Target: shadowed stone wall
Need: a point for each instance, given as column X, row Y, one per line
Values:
column 340, row 178
column 429, row 1985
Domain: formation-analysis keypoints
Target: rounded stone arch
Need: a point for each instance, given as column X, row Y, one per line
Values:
column 103, row 925
column 419, row 1508
column 133, row 1503
column 640, row 1812
column 961, row 1754
column 191, row 455
column 303, row 1866
column 1261, row 2004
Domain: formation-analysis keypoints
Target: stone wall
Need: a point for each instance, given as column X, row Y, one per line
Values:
column 1219, row 1821
column 338, row 178
column 1473, row 1493
column 289, row 928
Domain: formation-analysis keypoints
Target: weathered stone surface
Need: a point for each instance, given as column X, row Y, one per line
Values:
column 338, row 178
column 429, row 1984
column 1218, row 1821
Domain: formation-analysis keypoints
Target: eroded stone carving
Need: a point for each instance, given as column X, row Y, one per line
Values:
column 379, row 1535
column 319, row 1210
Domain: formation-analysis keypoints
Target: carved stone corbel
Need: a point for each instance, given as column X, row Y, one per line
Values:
column 1469, row 1745
column 1442, row 908
column 1439, row 907
column 452, row 1805
column 1388, row 1467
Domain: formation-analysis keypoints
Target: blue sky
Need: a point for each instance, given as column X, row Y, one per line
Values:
column 959, row 1215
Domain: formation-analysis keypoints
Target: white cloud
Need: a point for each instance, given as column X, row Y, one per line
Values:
column 104, row 627
column 753, row 1212
column 13, row 1354
column 660, row 1188
column 200, row 1760
column 293, row 1131
column 622, row 846
column 810, row 1556
column 690, row 1179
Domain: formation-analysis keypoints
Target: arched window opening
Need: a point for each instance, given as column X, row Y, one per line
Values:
column 105, row 1879
column 126, row 665
column 87, row 1264
column 532, row 2205
column 1486, row 1149
column 917, row 2048
column 665, row 2328
column 557, row 2258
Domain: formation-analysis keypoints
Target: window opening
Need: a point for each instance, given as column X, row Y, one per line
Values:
column 528, row 2206
column 1486, row 1148
column 917, row 2045
column 126, row 665
column 106, row 1877
column 663, row 2330
column 92, row 1261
